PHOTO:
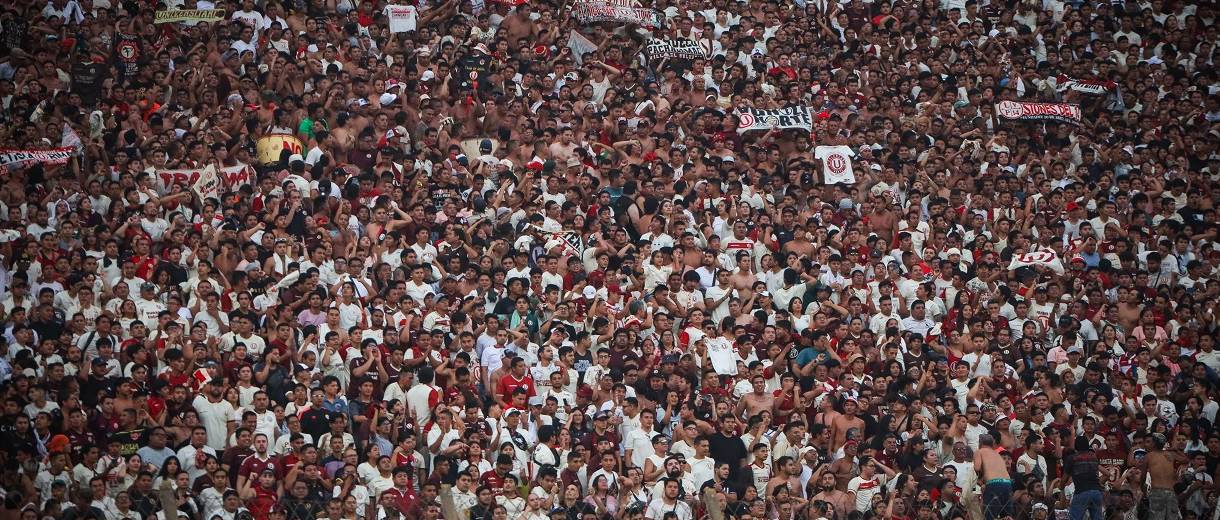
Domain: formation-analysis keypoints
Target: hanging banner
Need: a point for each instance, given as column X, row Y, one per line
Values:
column 234, row 177
column 592, row 12
column 781, row 119
column 270, row 146
column 836, row 164
column 128, row 54
column 720, row 353
column 681, row 48
column 1045, row 258
column 579, row 45
column 230, row 177
column 189, row 15
column 10, row 159
column 403, row 18
column 71, row 139
column 474, row 70
column 208, row 183
column 571, row 241
column 1087, row 86
column 1022, row 111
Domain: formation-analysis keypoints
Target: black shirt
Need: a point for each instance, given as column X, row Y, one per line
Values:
column 730, row 450
column 315, row 422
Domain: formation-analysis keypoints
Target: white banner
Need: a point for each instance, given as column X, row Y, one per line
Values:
column 208, row 183
column 10, row 159
column 1045, row 258
column 720, row 352
column 780, row 118
column 681, row 48
column 591, row 12
column 403, row 18
column 570, row 240
column 579, row 45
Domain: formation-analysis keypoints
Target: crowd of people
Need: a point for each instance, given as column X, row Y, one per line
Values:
column 538, row 260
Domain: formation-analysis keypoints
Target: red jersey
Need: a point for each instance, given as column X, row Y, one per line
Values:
column 510, row 384
column 144, row 266
column 260, row 506
column 175, row 380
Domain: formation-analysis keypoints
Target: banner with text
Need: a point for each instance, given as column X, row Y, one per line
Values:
column 230, row 178
column 571, row 241
column 680, row 48
column 1086, row 86
column 189, row 15
column 402, row 18
column 780, row 119
column 1047, row 259
column 592, row 12
column 10, row 159
column 1022, row 111
column 271, row 146
column 207, row 184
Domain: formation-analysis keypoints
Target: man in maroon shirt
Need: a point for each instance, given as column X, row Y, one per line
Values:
column 494, row 479
column 402, row 494
column 601, row 431
column 257, row 462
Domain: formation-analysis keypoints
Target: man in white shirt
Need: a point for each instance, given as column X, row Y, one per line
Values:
column 638, row 443
column 885, row 313
column 917, row 322
column 716, row 298
column 215, row 413
column 668, row 502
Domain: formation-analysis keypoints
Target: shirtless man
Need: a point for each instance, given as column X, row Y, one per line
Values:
column 842, row 423
column 755, row 402
column 829, row 492
column 565, row 148
column 845, row 468
column 997, row 485
column 1128, row 308
column 518, row 26
column 1162, row 501
column 787, row 473
column 882, row 220
column 743, row 277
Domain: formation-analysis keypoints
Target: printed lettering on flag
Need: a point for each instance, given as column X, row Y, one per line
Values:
column 10, row 159
column 1045, row 258
column 794, row 117
column 189, row 15
column 680, row 48
column 1024, row 111
column 611, row 11
column 229, row 178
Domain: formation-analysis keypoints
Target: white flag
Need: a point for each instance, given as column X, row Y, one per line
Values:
column 1046, row 258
